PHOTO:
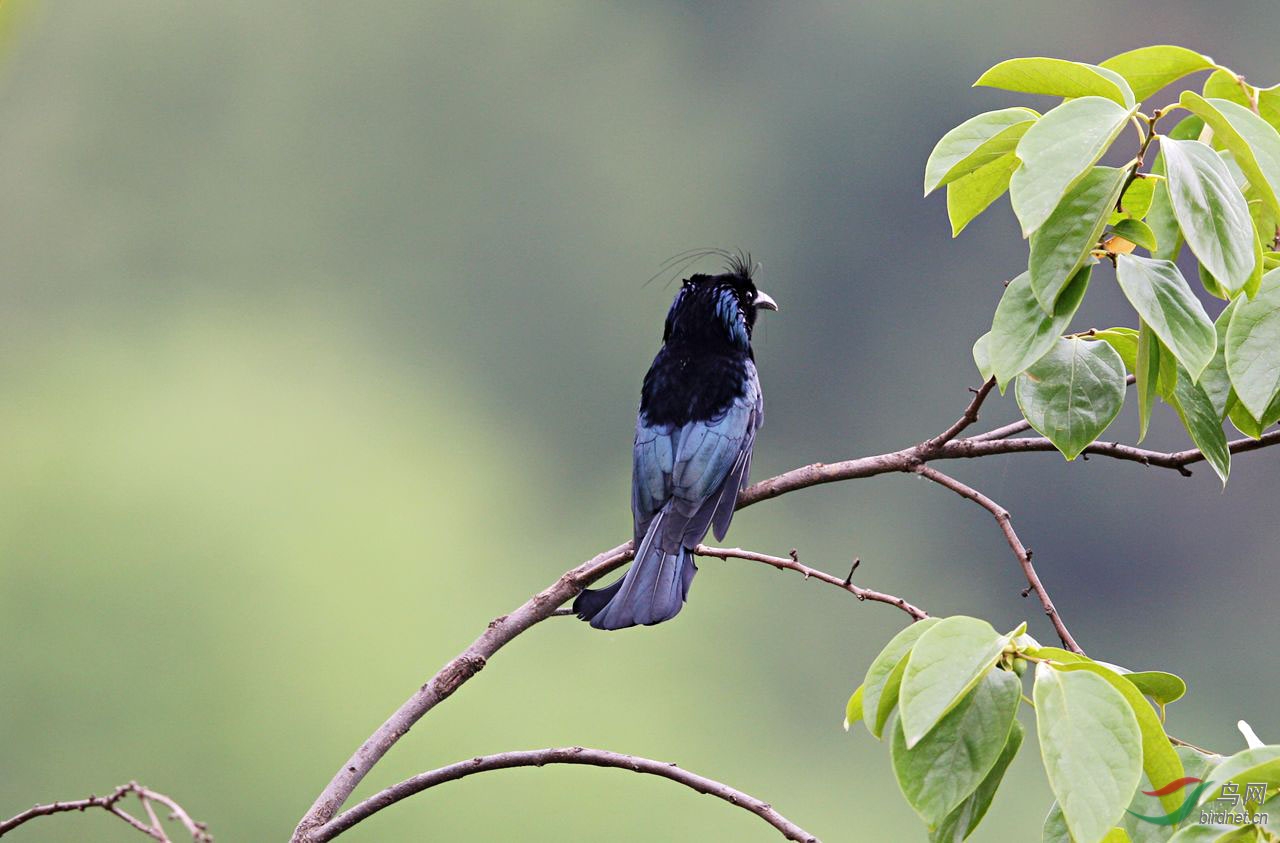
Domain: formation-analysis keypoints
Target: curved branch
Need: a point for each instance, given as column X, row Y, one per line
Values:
column 544, row 604
column 110, row 803
column 450, row 677
column 1015, row 544
column 564, row 755
column 793, row 563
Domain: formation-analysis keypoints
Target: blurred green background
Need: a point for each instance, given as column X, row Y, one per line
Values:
column 321, row 333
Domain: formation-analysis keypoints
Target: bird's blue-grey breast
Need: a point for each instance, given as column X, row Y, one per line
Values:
column 700, row 409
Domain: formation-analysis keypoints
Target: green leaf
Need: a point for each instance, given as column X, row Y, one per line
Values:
column 1062, row 245
column 1091, row 745
column 1164, row 300
column 1211, row 285
column 1055, row 827
column 853, row 709
column 945, row 664
column 1057, row 654
column 1124, row 341
column 1263, row 141
column 1136, row 232
column 972, row 194
column 1148, row 69
column 1265, row 222
column 1272, row 809
column 1117, row 835
column 1214, row 379
column 1188, row 128
column 974, row 143
column 1211, row 211
column 1246, row 423
column 1072, row 393
column 961, row 822
column 1223, row 85
column 1021, row 333
column 1254, row 283
column 1147, row 375
column 1162, row 220
column 1162, row 687
column 1253, row 347
column 1203, row 423
column 1253, row 144
column 982, row 356
column 950, row 762
column 1143, row 831
column 883, row 667
column 1136, row 200
column 1215, row 833
column 1053, row 77
column 1159, row 761
column 888, row 698
column 1057, row 151
column 1256, row 764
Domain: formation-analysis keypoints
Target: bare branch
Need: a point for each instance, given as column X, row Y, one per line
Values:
column 111, row 804
column 1015, row 544
column 1011, row 429
column 565, row 755
column 1175, row 460
column 967, row 418
column 793, row 563
column 450, row 677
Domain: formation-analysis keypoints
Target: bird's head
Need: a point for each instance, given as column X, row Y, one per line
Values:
column 718, row 310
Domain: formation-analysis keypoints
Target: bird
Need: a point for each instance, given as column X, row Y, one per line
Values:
column 700, row 410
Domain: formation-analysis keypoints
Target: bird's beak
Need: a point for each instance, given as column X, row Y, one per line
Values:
column 765, row 301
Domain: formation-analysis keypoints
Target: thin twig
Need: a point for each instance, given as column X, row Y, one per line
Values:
column 155, row 821
column 793, row 563
column 111, row 804
column 1015, row 544
column 967, row 418
column 563, row 755
column 1176, row 460
column 1142, row 151
column 1004, row 432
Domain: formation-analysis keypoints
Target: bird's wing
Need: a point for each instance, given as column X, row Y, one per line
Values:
column 710, row 461
column 739, row 477
column 653, row 460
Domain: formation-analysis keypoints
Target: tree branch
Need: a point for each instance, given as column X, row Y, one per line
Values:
column 565, row 755
column 110, row 803
column 967, row 418
column 1178, row 461
column 793, row 563
column 544, row 604
column 1015, row 544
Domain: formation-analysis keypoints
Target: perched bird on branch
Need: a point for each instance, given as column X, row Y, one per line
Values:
column 700, row 408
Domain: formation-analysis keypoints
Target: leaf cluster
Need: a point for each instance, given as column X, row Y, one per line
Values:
column 946, row 692
column 1212, row 184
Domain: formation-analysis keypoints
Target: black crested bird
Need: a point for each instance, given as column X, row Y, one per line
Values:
column 700, row 408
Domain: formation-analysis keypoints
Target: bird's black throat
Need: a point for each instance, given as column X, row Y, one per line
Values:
column 689, row 384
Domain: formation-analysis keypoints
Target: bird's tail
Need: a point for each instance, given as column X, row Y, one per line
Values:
column 653, row 590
